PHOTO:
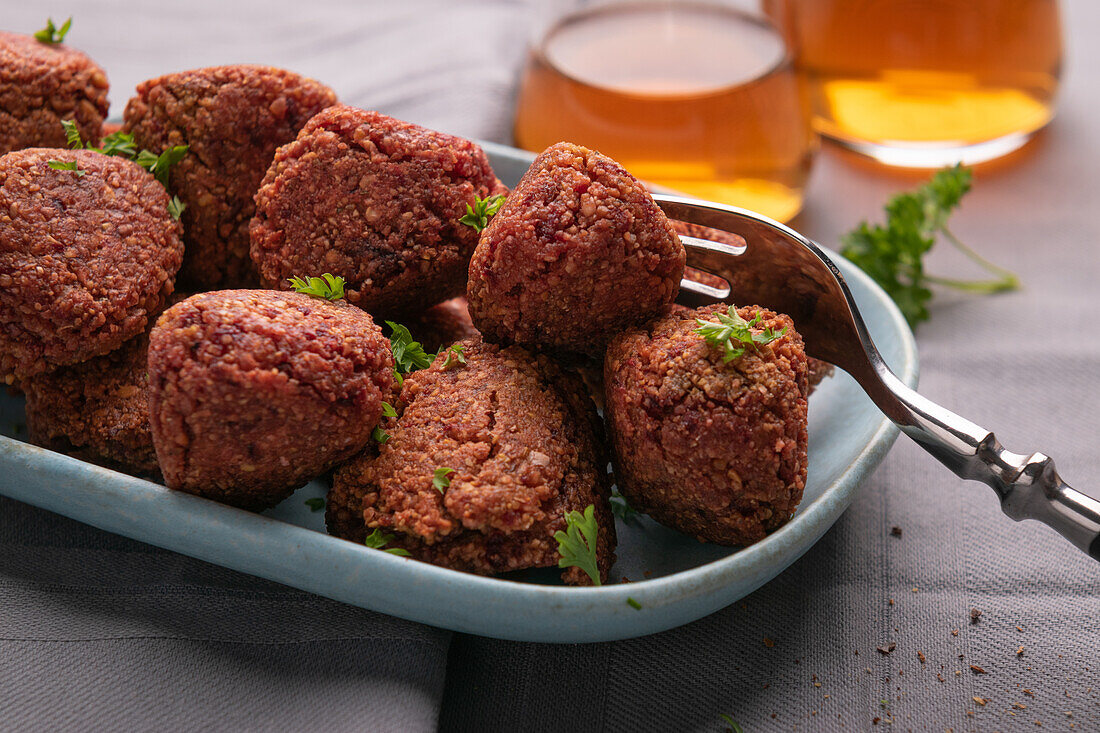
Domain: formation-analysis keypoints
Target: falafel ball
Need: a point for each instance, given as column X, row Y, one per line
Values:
column 87, row 256
column 578, row 252
column 42, row 84
column 442, row 325
column 252, row 392
column 233, row 118
column 376, row 201
column 520, row 436
column 713, row 449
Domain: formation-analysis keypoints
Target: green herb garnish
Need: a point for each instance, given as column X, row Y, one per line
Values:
column 66, row 165
column 315, row 504
column 407, row 352
column 72, row 135
column 380, row 436
column 52, row 34
column 176, row 207
column 633, row 604
column 478, row 215
column 441, row 478
column 621, row 509
column 892, row 253
column 733, row 334
column 455, row 355
column 577, row 545
column 377, row 540
column 118, row 144
column 734, row 726
column 387, row 410
column 161, row 165
column 326, row 287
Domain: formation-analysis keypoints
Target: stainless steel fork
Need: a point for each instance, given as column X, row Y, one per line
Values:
column 778, row 268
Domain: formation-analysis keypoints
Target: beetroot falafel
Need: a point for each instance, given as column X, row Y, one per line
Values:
column 233, row 118
column 518, row 434
column 713, row 449
column 42, row 84
column 376, row 201
column 87, row 256
column 252, row 393
column 578, row 252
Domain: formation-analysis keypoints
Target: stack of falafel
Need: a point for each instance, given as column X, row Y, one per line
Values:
column 478, row 460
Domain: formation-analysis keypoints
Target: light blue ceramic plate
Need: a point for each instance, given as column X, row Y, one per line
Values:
column 674, row 578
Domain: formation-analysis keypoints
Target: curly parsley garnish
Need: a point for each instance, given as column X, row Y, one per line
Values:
column 733, row 334
column 72, row 135
column 407, row 352
column 454, row 355
column 377, row 540
column 66, row 165
column 315, row 504
column 326, row 287
column 892, row 253
column 380, row 436
column 53, row 35
column 176, row 207
column 161, row 165
column 478, row 215
column 441, row 478
column 118, row 144
column 577, row 545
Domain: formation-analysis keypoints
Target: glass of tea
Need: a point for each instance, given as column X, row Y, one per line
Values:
column 927, row 83
column 700, row 98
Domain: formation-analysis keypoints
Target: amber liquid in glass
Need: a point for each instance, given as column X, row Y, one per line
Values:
column 697, row 98
column 930, row 82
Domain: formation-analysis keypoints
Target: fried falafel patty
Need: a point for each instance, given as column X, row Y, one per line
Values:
column 442, row 325
column 578, row 252
column 42, row 84
column 376, row 201
column 86, row 257
column 520, row 436
column 713, row 449
column 252, row 392
column 233, row 118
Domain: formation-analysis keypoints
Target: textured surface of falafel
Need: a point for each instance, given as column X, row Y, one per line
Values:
column 252, row 392
column 376, row 201
column 233, row 118
column 442, row 325
column 578, row 252
column 42, row 84
column 714, row 450
column 85, row 257
column 520, row 436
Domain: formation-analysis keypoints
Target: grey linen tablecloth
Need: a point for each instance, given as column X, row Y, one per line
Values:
column 101, row 633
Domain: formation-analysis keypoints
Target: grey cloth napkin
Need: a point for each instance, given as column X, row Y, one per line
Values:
column 97, row 632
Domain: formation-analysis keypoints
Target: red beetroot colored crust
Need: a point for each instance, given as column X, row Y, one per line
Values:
column 233, row 118
column 42, row 84
column 579, row 252
column 84, row 259
column 714, row 450
column 521, row 437
column 376, row 201
column 252, row 392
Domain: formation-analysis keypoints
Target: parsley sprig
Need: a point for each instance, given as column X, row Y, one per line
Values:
column 326, row 287
column 454, row 355
column 484, row 209
column 734, row 335
column 161, row 165
column 441, row 478
column 408, row 353
column 53, row 35
column 622, row 509
column 66, row 165
column 379, row 435
column 892, row 253
column 377, row 540
column 577, row 544
column 176, row 207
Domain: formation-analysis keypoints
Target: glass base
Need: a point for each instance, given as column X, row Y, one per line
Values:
column 934, row 154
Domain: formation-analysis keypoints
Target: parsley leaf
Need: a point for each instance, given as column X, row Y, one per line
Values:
column 161, row 165
column 633, row 604
column 315, row 504
column 734, row 726
column 892, row 253
column 478, row 215
column 577, row 545
column 380, row 435
column 176, row 207
column 378, row 539
column 119, row 144
column 407, row 352
column 52, row 34
column 441, row 478
column 326, row 287
column 454, row 354
column 72, row 135
column 387, row 410
column 733, row 334
column 66, row 165
column 621, row 509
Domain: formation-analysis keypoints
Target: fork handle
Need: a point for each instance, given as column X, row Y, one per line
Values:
column 1028, row 487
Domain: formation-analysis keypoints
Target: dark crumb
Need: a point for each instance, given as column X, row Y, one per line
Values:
column 888, row 648
column 940, row 677
column 920, row 656
column 975, row 614
column 768, row 642
column 980, row 700
column 977, row 670
column 896, row 531
column 954, row 632
column 625, row 579
column 1020, row 652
